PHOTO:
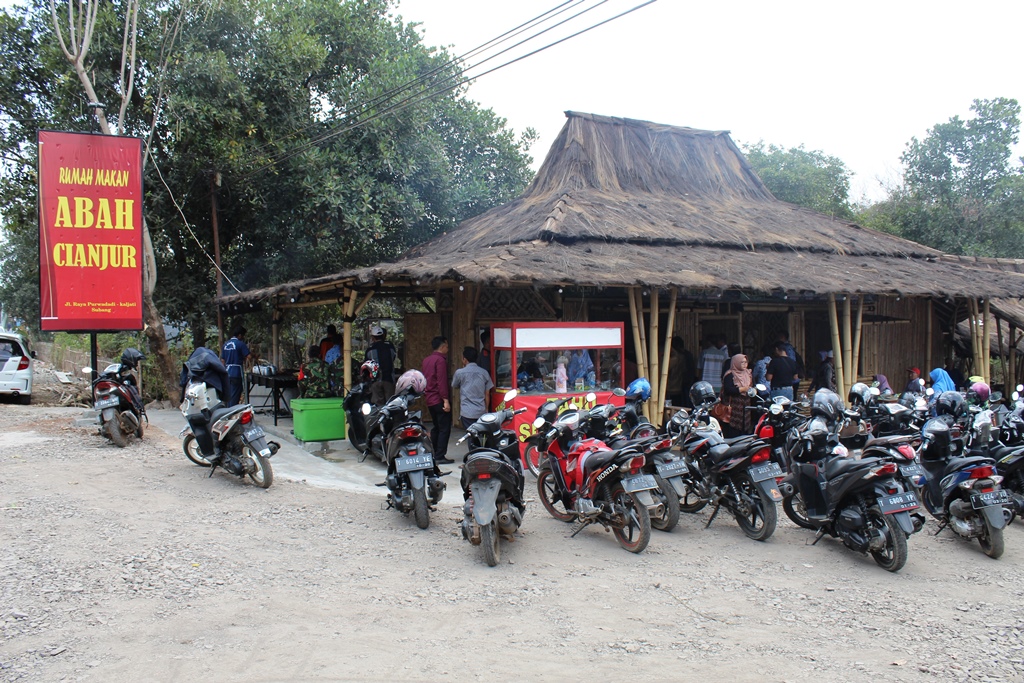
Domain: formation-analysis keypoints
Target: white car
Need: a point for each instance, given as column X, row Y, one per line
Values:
column 15, row 367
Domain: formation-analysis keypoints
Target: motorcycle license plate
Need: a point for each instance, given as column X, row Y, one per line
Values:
column 672, row 469
column 982, row 500
column 641, row 482
column 912, row 470
column 253, row 433
column 415, row 462
column 111, row 402
column 897, row 503
column 767, row 471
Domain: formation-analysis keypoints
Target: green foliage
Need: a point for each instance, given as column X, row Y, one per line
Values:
column 961, row 194
column 808, row 178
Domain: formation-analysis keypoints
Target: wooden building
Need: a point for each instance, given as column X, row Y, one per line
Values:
column 669, row 229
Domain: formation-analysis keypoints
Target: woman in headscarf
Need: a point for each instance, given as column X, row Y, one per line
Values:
column 735, row 383
column 941, row 381
column 883, row 385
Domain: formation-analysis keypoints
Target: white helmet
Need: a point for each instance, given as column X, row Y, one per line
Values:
column 411, row 379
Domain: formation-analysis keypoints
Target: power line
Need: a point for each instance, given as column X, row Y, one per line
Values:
column 435, row 91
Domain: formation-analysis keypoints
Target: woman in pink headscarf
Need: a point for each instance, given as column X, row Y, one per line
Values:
column 735, row 384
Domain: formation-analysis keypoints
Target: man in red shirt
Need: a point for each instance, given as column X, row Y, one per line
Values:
column 435, row 369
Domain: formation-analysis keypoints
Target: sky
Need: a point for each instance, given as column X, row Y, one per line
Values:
column 855, row 80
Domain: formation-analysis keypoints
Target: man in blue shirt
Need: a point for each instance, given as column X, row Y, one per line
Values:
column 233, row 356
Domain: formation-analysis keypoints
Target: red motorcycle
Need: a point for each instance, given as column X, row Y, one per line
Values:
column 582, row 480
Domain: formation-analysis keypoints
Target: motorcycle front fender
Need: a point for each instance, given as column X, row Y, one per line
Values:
column 771, row 489
column 994, row 516
column 417, row 479
column 485, row 499
column 906, row 524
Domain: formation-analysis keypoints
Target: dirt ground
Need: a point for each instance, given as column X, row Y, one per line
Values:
column 132, row 565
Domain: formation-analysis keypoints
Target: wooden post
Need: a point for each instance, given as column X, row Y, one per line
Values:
column 857, row 331
column 930, row 340
column 837, row 349
column 1012, row 360
column 275, row 340
column 986, row 345
column 641, row 360
column 346, row 327
column 652, row 354
column 999, row 349
column 847, row 343
column 667, row 354
column 636, row 323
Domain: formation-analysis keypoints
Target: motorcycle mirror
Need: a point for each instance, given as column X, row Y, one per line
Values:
column 760, row 387
column 591, row 397
column 1020, row 388
column 366, row 409
column 929, row 391
column 618, row 391
column 87, row 371
column 511, row 395
column 538, row 423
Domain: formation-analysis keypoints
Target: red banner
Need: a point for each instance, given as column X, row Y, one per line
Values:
column 523, row 423
column 90, row 232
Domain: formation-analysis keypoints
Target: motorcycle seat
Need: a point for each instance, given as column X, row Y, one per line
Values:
column 1000, row 451
column 957, row 464
column 725, row 451
column 839, row 466
column 599, row 459
column 224, row 411
column 888, row 440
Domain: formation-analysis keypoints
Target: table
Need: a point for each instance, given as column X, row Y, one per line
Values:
column 277, row 384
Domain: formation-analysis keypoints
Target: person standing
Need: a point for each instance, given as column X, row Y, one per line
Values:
column 233, row 356
column 825, row 376
column 474, row 384
column 713, row 361
column 735, row 385
column 435, row 369
column 315, row 376
column 782, row 373
column 384, row 352
column 680, row 372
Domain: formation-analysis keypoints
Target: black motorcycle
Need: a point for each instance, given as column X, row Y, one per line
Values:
column 355, row 399
column 117, row 401
column 492, row 482
column 397, row 437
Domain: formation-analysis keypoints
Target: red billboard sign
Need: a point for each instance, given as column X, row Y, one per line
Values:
column 90, row 232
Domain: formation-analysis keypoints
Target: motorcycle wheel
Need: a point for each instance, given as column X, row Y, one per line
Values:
column 793, row 506
column 992, row 541
column 116, row 434
column 263, row 475
column 895, row 554
column 636, row 533
column 760, row 525
column 533, row 458
column 670, row 499
column 420, row 509
column 139, row 431
column 360, row 446
column 191, row 448
column 489, row 541
column 550, row 498
column 691, row 502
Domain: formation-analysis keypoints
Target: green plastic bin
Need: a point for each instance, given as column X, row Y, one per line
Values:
column 318, row 419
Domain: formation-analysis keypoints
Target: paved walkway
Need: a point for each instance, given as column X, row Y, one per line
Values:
column 331, row 464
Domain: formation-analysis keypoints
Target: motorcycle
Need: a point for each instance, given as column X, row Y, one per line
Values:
column 117, row 401
column 397, row 437
column 737, row 473
column 355, row 399
column 860, row 501
column 962, row 491
column 228, row 437
column 492, row 482
column 572, row 468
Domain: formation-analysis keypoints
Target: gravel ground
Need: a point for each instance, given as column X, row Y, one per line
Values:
column 132, row 565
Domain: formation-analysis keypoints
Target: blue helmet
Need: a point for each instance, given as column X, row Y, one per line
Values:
column 639, row 389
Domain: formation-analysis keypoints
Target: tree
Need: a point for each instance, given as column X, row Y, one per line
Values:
column 808, row 178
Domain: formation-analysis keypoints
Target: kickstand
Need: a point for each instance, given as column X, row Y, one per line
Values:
column 713, row 515
column 580, row 526
column 365, row 455
column 942, row 525
column 818, row 536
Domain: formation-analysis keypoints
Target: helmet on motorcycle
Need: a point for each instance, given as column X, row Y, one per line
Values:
column 369, row 370
column 638, row 389
column 412, row 380
column 817, row 432
column 132, row 358
column 377, row 331
column 978, row 393
column 936, row 439
column 860, row 393
column 702, row 394
column 950, row 403
column 827, row 404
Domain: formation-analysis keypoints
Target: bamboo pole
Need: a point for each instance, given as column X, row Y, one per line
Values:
column 346, row 326
column 972, row 307
column 633, row 319
column 986, row 347
column 667, row 354
column 999, row 350
column 652, row 354
column 641, row 361
column 857, row 331
column 1012, row 360
column 837, row 349
column 847, row 342
column 929, row 335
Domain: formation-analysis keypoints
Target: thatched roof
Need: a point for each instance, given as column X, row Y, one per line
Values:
column 623, row 202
